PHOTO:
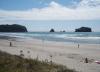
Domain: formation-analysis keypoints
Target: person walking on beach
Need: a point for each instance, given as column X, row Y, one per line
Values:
column 78, row 45
column 10, row 44
column 86, row 60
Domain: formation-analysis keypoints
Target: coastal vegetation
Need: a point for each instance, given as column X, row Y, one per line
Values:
column 12, row 28
column 14, row 63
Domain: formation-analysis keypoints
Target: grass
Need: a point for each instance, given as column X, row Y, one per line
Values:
column 14, row 63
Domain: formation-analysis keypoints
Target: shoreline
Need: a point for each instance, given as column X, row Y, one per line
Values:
column 68, row 37
column 67, row 54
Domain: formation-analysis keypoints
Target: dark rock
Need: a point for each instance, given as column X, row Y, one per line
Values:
column 63, row 31
column 12, row 28
column 83, row 29
column 52, row 30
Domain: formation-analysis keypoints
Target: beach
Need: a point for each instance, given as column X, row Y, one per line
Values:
column 50, row 35
column 59, row 52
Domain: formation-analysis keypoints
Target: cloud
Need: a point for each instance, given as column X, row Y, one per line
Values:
column 89, row 4
column 85, row 10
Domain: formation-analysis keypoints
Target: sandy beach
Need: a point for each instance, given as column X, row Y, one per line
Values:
column 62, row 53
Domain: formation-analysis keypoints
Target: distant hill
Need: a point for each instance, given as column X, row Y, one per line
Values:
column 83, row 29
column 12, row 28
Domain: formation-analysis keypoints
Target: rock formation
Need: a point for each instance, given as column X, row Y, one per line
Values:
column 12, row 28
column 52, row 30
column 83, row 29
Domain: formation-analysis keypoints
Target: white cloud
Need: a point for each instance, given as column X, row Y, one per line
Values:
column 89, row 3
column 55, row 11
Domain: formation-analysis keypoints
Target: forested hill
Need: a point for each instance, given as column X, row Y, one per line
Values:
column 12, row 28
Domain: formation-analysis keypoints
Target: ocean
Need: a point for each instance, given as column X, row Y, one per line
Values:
column 68, row 37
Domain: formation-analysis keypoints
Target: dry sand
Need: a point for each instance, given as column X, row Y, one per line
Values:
column 62, row 53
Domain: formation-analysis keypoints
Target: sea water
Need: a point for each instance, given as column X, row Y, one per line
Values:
column 69, row 37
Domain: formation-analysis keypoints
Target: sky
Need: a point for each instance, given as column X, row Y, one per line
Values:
column 42, row 15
